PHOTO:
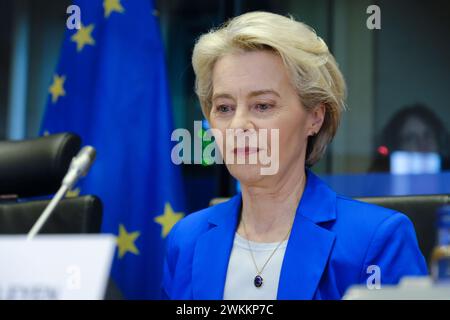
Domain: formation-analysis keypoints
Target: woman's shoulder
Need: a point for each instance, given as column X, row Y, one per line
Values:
column 353, row 211
column 368, row 219
column 196, row 223
column 191, row 225
column 363, row 209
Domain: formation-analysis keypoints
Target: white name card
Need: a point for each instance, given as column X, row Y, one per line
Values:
column 409, row 288
column 56, row 267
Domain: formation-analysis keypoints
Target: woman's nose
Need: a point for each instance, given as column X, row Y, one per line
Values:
column 241, row 120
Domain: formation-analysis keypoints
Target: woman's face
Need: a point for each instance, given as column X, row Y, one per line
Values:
column 252, row 91
column 417, row 136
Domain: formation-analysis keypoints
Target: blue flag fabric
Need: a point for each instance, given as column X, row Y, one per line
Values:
column 110, row 88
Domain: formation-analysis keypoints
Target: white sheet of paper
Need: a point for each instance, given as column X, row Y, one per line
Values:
column 55, row 266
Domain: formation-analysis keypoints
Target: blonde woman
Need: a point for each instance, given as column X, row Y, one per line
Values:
column 286, row 235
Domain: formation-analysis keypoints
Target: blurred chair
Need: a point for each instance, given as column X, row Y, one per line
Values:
column 72, row 215
column 420, row 209
column 35, row 168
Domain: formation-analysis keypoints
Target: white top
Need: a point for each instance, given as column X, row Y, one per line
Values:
column 241, row 270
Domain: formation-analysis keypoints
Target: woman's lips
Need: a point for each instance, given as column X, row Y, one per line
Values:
column 245, row 151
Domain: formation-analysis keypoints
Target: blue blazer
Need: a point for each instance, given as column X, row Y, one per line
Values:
column 334, row 240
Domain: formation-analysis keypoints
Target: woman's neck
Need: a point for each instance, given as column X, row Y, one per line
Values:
column 268, row 210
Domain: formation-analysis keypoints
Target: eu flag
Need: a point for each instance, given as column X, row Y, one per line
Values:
column 110, row 88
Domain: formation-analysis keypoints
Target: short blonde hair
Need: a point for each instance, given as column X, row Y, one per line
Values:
column 314, row 71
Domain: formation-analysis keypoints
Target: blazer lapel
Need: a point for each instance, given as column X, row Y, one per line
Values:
column 305, row 259
column 309, row 245
column 212, row 251
column 306, row 256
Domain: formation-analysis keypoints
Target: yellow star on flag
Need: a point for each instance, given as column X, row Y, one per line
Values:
column 83, row 37
column 168, row 219
column 125, row 241
column 112, row 5
column 57, row 87
column 73, row 193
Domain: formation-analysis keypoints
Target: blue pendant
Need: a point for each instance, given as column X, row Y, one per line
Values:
column 258, row 281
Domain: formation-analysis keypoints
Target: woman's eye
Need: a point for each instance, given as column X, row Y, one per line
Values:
column 263, row 107
column 223, row 108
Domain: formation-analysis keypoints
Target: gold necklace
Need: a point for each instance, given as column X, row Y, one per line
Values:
column 258, row 280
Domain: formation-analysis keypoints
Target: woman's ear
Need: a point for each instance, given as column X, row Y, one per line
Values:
column 317, row 116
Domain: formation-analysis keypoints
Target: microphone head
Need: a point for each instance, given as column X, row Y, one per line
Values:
column 89, row 151
column 83, row 160
column 79, row 166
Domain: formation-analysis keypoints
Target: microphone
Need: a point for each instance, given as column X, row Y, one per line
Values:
column 79, row 167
